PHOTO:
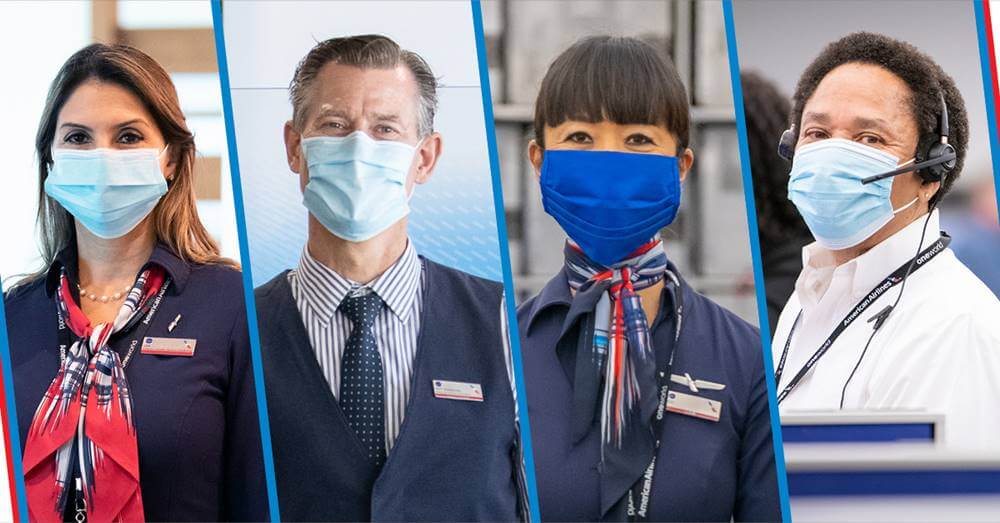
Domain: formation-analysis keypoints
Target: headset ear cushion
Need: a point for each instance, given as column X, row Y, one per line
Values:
column 936, row 173
column 786, row 145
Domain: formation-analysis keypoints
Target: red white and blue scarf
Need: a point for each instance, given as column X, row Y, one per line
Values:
column 84, row 425
column 614, row 346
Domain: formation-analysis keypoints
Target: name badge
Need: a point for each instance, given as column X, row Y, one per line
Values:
column 457, row 390
column 696, row 406
column 169, row 346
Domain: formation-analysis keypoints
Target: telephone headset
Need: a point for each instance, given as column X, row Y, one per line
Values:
column 935, row 166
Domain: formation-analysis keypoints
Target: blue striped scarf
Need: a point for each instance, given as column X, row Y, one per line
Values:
column 614, row 345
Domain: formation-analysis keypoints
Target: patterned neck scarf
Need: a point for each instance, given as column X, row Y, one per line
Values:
column 66, row 440
column 614, row 346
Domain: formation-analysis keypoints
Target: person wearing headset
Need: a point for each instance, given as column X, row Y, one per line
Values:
column 129, row 349
column 884, row 316
column 647, row 400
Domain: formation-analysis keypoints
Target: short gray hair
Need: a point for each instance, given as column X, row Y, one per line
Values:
column 366, row 52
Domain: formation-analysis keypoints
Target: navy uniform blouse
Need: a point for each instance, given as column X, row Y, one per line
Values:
column 706, row 471
column 196, row 417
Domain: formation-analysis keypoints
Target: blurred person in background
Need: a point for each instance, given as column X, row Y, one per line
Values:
column 884, row 316
column 976, row 233
column 131, row 358
column 782, row 231
column 647, row 400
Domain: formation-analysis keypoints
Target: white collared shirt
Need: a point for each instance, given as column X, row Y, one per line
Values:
column 939, row 350
column 319, row 291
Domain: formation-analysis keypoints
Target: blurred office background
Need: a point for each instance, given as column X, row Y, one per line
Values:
column 778, row 39
column 709, row 240
column 38, row 37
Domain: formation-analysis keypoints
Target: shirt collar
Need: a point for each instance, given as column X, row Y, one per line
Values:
column 177, row 269
column 324, row 289
column 866, row 270
column 555, row 293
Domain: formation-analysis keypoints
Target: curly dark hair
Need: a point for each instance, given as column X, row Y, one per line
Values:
column 925, row 78
column 767, row 111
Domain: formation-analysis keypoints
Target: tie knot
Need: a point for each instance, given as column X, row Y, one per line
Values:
column 363, row 309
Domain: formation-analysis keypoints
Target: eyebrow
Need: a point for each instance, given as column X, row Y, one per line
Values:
column 387, row 117
column 75, row 125
column 872, row 123
column 132, row 121
column 331, row 112
column 860, row 122
column 822, row 118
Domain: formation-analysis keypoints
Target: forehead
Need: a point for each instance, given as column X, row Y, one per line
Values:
column 97, row 103
column 862, row 90
column 354, row 89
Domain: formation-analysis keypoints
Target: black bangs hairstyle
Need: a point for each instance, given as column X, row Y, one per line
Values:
column 616, row 78
column 925, row 78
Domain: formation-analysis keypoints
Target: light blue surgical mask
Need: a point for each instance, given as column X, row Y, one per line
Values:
column 825, row 185
column 108, row 191
column 357, row 185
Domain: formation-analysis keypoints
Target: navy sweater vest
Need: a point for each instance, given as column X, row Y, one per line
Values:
column 453, row 459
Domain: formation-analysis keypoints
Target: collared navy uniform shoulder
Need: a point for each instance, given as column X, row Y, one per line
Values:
column 453, row 460
column 706, row 471
column 196, row 417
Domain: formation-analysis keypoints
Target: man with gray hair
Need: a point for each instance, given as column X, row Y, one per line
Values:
column 388, row 376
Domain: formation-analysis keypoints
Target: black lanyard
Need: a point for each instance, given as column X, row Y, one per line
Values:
column 897, row 277
column 144, row 317
column 643, row 488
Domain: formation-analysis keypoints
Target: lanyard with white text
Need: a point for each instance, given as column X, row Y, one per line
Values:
column 644, row 486
column 144, row 315
column 891, row 281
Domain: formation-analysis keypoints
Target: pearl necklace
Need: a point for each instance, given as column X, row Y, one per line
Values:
column 104, row 299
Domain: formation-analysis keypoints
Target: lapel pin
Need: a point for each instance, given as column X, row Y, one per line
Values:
column 173, row 324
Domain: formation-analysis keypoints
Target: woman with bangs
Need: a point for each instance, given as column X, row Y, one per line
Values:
column 129, row 348
column 647, row 400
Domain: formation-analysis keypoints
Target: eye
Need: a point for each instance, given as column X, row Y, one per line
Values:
column 333, row 125
column 129, row 137
column 385, row 129
column 76, row 138
column 578, row 137
column 871, row 139
column 639, row 139
column 815, row 134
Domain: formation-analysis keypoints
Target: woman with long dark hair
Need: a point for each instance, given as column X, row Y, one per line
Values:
column 131, row 360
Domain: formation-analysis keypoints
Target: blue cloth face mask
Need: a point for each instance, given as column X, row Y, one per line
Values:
column 610, row 203
column 108, row 191
column 357, row 185
column 825, row 185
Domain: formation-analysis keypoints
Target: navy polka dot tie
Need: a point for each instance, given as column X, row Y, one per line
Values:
column 361, row 392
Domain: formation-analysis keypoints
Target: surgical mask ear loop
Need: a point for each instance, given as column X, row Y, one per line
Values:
column 905, row 207
column 416, row 150
column 159, row 157
column 914, row 200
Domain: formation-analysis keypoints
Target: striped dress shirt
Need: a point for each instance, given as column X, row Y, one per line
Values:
column 318, row 292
